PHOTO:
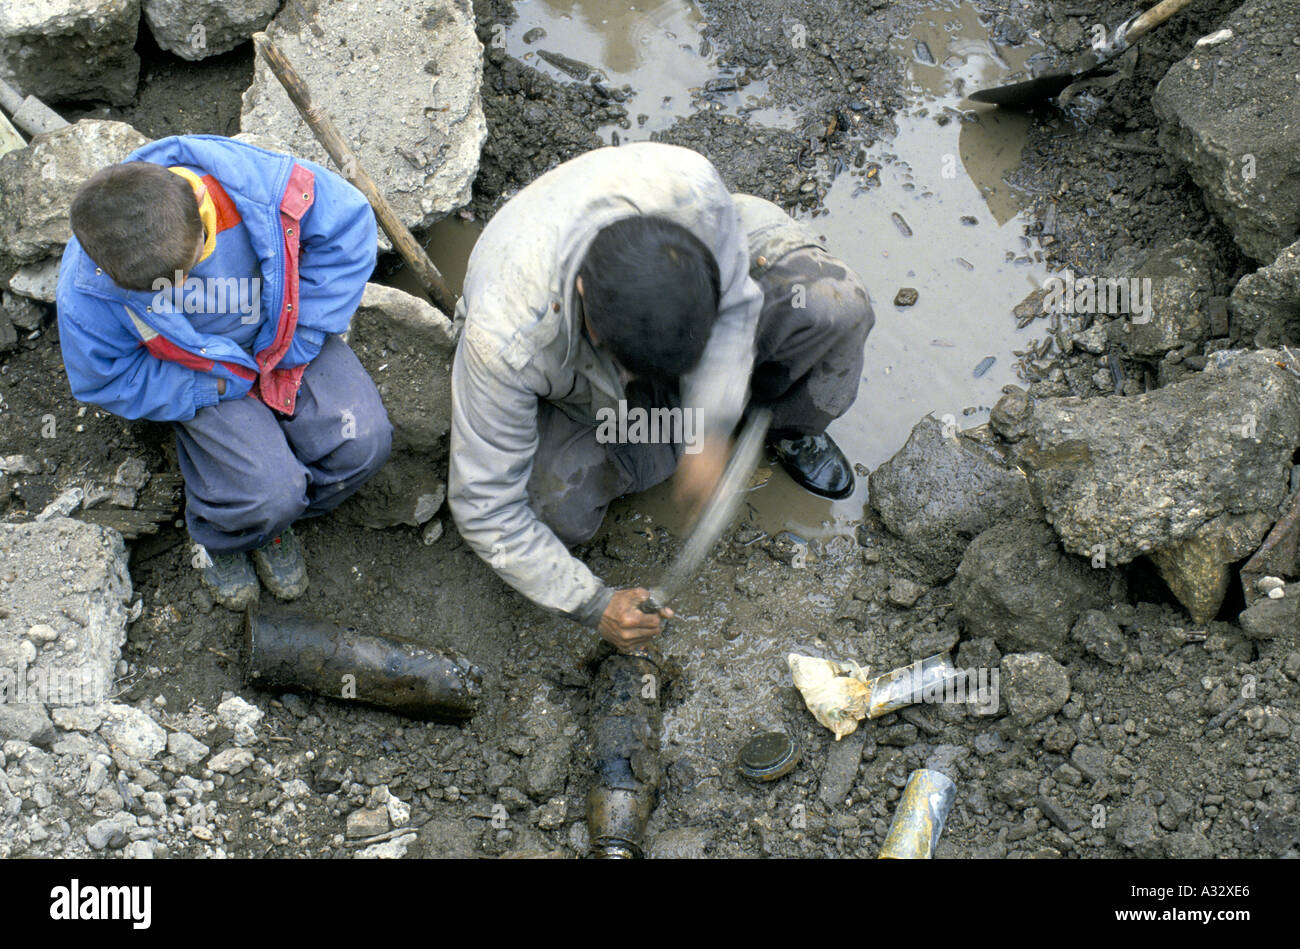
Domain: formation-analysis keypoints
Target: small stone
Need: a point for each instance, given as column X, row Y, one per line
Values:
column 906, row 296
column 187, row 749
column 903, row 592
column 241, row 717
column 42, row 634
column 367, row 822
column 132, row 732
column 1036, row 686
column 230, row 761
column 551, row 814
column 106, row 834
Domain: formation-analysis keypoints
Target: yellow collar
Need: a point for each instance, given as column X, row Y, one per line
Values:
column 207, row 210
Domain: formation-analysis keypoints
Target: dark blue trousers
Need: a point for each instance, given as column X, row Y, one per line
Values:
column 250, row 473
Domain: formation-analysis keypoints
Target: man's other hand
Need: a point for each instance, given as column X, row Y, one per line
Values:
column 221, row 387
column 624, row 626
column 698, row 474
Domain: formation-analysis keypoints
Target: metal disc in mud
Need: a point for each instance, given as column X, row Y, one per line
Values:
column 769, row 757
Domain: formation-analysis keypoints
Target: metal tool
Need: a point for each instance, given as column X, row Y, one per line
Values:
column 1024, row 95
column 717, row 513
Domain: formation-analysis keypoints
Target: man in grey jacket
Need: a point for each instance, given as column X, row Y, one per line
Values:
column 630, row 279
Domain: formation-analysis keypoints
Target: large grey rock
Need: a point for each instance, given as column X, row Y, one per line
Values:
column 71, row 49
column 942, row 489
column 1016, row 586
column 407, row 347
column 38, row 183
column 420, row 58
column 1231, row 114
column 1120, row 477
column 196, row 29
column 1265, row 305
column 1182, row 282
column 72, row 577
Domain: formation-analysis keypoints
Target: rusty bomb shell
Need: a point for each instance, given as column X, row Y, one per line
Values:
column 918, row 822
column 289, row 650
column 624, row 735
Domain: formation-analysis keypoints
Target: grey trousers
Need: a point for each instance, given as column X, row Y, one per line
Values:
column 809, row 351
column 250, row 473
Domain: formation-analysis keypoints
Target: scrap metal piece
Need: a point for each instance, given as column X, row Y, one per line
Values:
column 922, row 811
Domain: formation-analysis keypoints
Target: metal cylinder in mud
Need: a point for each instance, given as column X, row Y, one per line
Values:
column 918, row 823
column 288, row 650
column 624, row 730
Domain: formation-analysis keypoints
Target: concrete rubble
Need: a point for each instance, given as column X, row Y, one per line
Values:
column 423, row 60
column 1230, row 114
column 38, row 183
column 197, row 29
column 61, row 50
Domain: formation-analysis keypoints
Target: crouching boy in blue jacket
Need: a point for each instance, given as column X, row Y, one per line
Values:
column 205, row 286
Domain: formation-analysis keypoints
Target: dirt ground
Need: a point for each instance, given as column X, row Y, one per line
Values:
column 1128, row 767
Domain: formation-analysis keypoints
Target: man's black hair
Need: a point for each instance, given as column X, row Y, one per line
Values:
column 138, row 221
column 650, row 291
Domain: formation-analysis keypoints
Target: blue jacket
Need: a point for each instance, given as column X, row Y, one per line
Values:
column 314, row 235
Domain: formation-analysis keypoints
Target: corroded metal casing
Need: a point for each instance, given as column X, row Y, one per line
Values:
column 909, row 685
column 624, row 731
column 918, row 822
column 616, row 820
column 288, row 650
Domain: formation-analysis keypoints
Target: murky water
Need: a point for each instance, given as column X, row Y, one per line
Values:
column 927, row 210
column 655, row 46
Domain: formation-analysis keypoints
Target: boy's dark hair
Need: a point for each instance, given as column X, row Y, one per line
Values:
column 138, row 222
column 650, row 291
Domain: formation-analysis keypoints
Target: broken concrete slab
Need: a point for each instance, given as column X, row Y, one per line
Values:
column 72, row 578
column 407, row 346
column 38, row 183
column 1123, row 476
column 39, row 281
column 1017, row 587
column 421, row 57
column 942, row 489
column 62, row 50
column 1265, row 305
column 1230, row 113
column 197, row 29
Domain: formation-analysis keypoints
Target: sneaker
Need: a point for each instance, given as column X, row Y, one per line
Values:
column 231, row 580
column 281, row 566
column 816, row 463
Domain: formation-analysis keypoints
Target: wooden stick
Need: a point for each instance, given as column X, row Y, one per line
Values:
column 327, row 133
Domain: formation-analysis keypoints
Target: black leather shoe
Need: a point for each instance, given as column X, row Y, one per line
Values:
column 816, row 463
